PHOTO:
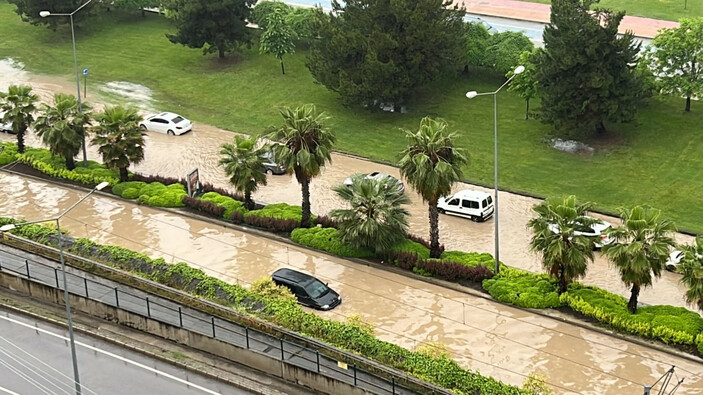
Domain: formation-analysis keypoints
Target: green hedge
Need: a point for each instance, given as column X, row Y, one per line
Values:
column 412, row 247
column 54, row 166
column 469, row 258
column 327, row 239
column 672, row 325
column 231, row 205
column 524, row 289
column 278, row 211
column 440, row 371
column 8, row 153
column 153, row 194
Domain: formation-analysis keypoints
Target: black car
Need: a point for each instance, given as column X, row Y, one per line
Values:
column 270, row 166
column 310, row 291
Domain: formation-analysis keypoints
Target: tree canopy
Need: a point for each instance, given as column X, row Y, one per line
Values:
column 278, row 37
column 29, row 11
column 214, row 26
column 504, row 50
column 586, row 70
column 373, row 51
column 675, row 57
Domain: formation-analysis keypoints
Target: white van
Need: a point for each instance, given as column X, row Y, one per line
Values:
column 475, row 205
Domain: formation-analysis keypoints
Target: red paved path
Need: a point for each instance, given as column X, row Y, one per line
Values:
column 642, row 27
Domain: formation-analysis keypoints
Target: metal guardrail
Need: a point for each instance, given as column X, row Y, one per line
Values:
column 162, row 310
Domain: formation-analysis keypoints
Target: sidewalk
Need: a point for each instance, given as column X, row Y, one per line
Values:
column 641, row 27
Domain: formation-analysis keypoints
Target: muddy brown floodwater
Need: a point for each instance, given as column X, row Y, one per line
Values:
column 480, row 334
column 176, row 155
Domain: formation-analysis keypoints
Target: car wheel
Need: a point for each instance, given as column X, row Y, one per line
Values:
column 474, row 218
column 269, row 172
column 143, row 127
column 441, row 211
column 170, row 133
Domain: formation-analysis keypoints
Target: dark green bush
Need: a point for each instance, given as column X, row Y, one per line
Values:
column 155, row 194
column 327, row 239
column 524, row 289
column 279, row 217
column 229, row 204
column 453, row 271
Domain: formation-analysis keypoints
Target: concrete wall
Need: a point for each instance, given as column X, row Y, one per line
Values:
column 194, row 340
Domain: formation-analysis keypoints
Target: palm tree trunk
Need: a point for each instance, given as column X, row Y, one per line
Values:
column 70, row 163
column 248, row 202
column 632, row 304
column 124, row 177
column 305, row 187
column 562, row 280
column 434, row 230
column 20, row 140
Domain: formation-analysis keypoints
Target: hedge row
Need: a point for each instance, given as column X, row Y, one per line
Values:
column 440, row 371
column 42, row 160
column 153, row 194
column 8, row 153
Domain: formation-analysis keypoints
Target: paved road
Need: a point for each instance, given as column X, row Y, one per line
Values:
column 35, row 358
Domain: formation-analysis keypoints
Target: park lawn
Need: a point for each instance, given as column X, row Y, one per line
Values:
column 670, row 10
column 655, row 160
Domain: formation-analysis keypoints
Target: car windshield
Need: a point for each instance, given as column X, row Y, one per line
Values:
column 315, row 288
column 177, row 120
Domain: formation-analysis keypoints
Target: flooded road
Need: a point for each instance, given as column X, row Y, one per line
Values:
column 176, row 155
column 480, row 334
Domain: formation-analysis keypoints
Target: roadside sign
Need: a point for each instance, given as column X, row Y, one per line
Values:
column 85, row 71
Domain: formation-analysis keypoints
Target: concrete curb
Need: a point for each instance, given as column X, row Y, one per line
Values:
column 137, row 346
column 430, row 280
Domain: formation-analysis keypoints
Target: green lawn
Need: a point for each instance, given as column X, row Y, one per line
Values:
column 670, row 10
column 655, row 160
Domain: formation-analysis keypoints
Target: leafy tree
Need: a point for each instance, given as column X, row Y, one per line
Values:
column 303, row 22
column 565, row 255
column 303, row 144
column 119, row 138
column 376, row 218
column 29, row 11
column 504, row 50
column 244, row 165
column 373, row 51
column 586, row 70
column 215, row 26
column 641, row 248
column 19, row 105
column 676, row 56
column 525, row 84
column 62, row 127
column 692, row 269
column 432, row 164
column 477, row 38
column 278, row 37
column 264, row 9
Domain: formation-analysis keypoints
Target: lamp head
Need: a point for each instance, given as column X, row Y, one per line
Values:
column 44, row 14
column 519, row 70
column 471, row 94
column 6, row 228
column 101, row 185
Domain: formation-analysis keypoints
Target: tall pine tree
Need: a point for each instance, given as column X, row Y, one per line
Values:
column 585, row 71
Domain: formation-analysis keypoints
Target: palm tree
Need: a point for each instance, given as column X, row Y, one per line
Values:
column 565, row 254
column 62, row 127
column 303, row 145
column 692, row 269
column 641, row 248
column 19, row 105
column 432, row 164
column 119, row 138
column 376, row 218
column 244, row 165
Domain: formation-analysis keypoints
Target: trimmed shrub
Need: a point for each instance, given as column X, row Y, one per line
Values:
column 469, row 258
column 8, row 153
column 208, row 187
column 524, row 289
column 405, row 260
column 130, row 193
column 237, row 217
column 157, row 178
column 412, row 247
column 121, row 187
column 327, row 239
column 54, row 166
column 229, row 204
column 454, row 271
column 279, row 217
column 325, row 222
column 204, row 206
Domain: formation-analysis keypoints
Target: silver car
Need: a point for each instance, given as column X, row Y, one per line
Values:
column 376, row 175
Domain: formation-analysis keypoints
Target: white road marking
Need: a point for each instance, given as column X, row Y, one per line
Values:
column 123, row 359
column 6, row 391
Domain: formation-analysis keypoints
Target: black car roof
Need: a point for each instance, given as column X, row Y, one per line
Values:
column 292, row 275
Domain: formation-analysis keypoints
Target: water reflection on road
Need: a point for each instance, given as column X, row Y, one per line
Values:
column 497, row 340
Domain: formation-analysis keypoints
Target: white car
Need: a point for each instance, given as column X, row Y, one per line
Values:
column 167, row 122
column 674, row 260
column 474, row 205
column 595, row 231
column 377, row 175
column 5, row 126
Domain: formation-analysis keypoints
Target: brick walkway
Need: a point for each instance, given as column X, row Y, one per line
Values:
column 642, row 27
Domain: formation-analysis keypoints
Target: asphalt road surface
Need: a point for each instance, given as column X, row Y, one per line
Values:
column 35, row 358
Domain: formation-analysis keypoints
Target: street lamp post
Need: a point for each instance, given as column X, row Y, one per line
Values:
column 471, row 95
column 67, row 300
column 45, row 14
